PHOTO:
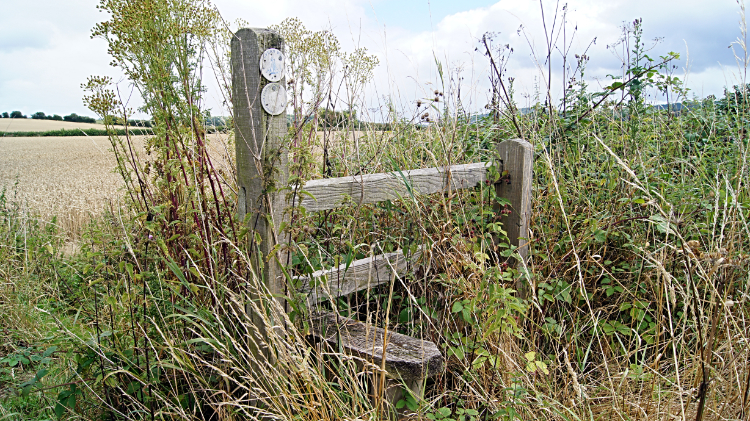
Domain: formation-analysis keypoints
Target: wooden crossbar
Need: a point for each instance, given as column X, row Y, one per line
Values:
column 330, row 193
column 360, row 274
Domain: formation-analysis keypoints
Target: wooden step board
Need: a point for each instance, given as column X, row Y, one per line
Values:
column 358, row 275
column 409, row 359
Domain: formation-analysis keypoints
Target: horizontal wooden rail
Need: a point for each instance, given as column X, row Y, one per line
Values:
column 361, row 274
column 331, row 193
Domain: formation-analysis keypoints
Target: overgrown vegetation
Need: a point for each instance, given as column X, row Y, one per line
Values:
column 638, row 261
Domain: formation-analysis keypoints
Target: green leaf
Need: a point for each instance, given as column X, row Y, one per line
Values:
column 662, row 225
column 542, row 366
column 59, row 410
column 457, row 306
column 444, row 412
column 71, row 401
column 458, row 352
column 41, row 373
column 411, row 403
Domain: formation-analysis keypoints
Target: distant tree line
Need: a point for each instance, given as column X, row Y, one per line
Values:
column 217, row 121
column 119, row 121
column 75, row 118
column 13, row 114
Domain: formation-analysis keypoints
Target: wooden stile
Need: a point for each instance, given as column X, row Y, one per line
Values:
column 262, row 167
column 517, row 156
column 408, row 360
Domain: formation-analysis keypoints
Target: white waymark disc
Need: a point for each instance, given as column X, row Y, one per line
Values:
column 272, row 64
column 273, row 98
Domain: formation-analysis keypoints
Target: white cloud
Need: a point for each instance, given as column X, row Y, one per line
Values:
column 43, row 71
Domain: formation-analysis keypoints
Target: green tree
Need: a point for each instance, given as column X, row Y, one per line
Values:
column 38, row 116
column 75, row 118
column 17, row 114
column 5, row 115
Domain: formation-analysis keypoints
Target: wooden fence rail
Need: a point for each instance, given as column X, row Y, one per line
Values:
column 330, row 193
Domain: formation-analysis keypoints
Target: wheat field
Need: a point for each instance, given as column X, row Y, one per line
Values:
column 72, row 177
column 32, row 125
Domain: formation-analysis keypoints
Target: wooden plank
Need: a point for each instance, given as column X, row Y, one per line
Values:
column 361, row 274
column 406, row 358
column 331, row 193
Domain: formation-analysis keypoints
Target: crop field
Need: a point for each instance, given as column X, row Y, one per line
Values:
column 31, row 125
column 72, row 178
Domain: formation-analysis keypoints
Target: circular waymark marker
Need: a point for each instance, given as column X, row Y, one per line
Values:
column 273, row 98
column 272, row 64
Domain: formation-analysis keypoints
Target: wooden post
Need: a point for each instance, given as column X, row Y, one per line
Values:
column 262, row 155
column 517, row 156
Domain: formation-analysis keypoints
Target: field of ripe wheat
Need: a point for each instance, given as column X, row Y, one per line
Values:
column 32, row 125
column 71, row 178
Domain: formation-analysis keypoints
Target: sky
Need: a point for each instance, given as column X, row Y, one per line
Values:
column 46, row 51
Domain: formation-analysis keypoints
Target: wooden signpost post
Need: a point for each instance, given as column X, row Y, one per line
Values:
column 262, row 155
column 262, row 167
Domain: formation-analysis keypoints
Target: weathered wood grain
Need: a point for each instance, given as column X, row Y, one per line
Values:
column 406, row 358
column 331, row 193
column 361, row 274
column 260, row 146
column 517, row 156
